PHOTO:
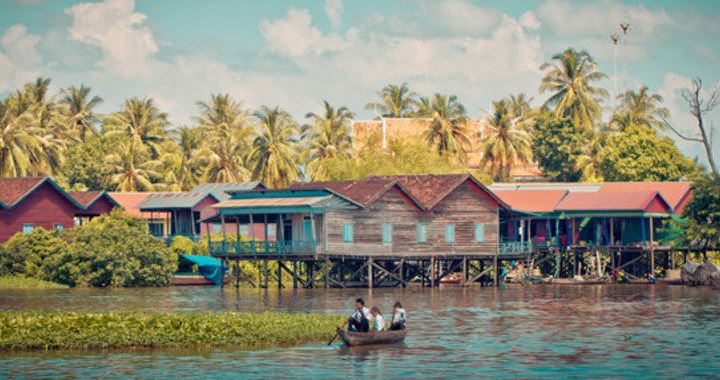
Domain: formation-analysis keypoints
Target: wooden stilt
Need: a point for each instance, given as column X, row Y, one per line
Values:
column 266, row 273
column 432, row 272
column 652, row 248
column 279, row 275
column 496, row 276
column 370, row 272
column 295, row 274
column 327, row 272
column 401, row 272
column 237, row 273
column 464, row 270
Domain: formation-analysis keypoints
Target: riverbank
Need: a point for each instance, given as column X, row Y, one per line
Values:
column 19, row 282
column 38, row 330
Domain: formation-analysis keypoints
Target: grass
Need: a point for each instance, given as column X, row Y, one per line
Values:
column 19, row 282
column 33, row 330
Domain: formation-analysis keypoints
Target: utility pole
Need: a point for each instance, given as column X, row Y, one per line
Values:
column 624, row 27
column 615, row 38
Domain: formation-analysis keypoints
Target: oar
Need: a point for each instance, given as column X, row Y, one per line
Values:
column 336, row 335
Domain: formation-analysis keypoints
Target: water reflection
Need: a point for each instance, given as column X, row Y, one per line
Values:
column 535, row 331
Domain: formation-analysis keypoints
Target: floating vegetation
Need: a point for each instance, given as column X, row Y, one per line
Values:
column 32, row 330
column 20, row 282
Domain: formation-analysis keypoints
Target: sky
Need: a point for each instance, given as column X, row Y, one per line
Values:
column 296, row 54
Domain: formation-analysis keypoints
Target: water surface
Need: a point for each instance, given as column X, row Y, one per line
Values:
column 613, row 331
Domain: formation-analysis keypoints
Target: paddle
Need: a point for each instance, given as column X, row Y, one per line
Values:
column 336, row 335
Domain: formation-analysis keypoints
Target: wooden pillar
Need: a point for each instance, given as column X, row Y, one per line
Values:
column 496, row 276
column 402, row 272
column 265, row 232
column 192, row 225
column 464, row 270
column 327, row 272
column 294, row 269
column 652, row 248
column 222, row 265
column 237, row 273
column 432, row 271
column 370, row 273
column 224, row 240
column 266, row 273
column 279, row 275
column 612, row 232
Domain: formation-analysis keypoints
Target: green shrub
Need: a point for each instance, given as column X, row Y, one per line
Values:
column 181, row 244
column 20, row 282
column 31, row 254
column 52, row 330
column 114, row 250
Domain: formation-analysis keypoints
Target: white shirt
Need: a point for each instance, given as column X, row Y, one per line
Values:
column 398, row 316
column 378, row 323
column 365, row 312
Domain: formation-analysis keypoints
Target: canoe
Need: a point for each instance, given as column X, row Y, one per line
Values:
column 372, row 337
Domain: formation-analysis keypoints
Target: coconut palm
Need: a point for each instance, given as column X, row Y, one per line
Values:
column 328, row 136
column 181, row 160
column 275, row 149
column 18, row 145
column 588, row 163
column 506, row 141
column 140, row 119
column 640, row 108
column 397, row 101
column 79, row 109
column 224, row 154
column 569, row 79
column 221, row 109
column 131, row 167
column 447, row 132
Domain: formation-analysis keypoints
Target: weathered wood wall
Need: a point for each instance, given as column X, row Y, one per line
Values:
column 44, row 208
column 463, row 207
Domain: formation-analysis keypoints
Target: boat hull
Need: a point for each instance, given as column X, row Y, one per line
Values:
column 370, row 338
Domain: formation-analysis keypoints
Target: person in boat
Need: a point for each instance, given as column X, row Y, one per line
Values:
column 377, row 319
column 359, row 320
column 398, row 317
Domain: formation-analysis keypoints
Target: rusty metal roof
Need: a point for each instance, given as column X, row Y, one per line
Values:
column 272, row 202
column 610, row 201
column 672, row 192
column 534, row 201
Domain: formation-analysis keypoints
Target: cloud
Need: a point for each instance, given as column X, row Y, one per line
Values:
column 113, row 26
column 333, row 9
column 575, row 20
column 19, row 58
column 295, row 36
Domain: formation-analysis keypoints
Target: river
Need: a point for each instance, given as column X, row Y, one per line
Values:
column 614, row 331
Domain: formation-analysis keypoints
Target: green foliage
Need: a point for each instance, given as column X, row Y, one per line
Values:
column 20, row 282
column 31, row 254
column 84, row 165
column 66, row 330
column 557, row 143
column 400, row 158
column 115, row 250
column 639, row 154
column 181, row 244
column 702, row 214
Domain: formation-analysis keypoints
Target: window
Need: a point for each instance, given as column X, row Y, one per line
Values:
column 479, row 232
column 449, row 233
column 387, row 233
column 421, row 233
column 244, row 230
column 348, row 233
column 215, row 228
column 57, row 227
column 156, row 229
column 27, row 228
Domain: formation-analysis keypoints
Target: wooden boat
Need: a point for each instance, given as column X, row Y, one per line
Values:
column 372, row 337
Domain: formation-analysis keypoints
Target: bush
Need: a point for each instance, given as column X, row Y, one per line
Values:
column 31, row 254
column 114, row 250
column 180, row 245
column 21, row 282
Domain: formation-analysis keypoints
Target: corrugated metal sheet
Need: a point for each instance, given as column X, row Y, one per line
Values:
column 601, row 201
column 130, row 202
column 567, row 186
column 673, row 192
column 271, row 202
column 220, row 190
column 164, row 201
column 536, row 201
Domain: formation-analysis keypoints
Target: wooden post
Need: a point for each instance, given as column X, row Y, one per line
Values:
column 464, row 270
column 652, row 248
column 237, row 273
column 295, row 274
column 266, row 273
column 370, row 273
column 251, row 227
column 327, row 272
column 496, row 276
column 224, row 241
column 279, row 275
column 402, row 271
column 432, row 271
column 557, row 264
column 612, row 231
column 192, row 224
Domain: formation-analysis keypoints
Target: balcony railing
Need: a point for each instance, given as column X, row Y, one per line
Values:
column 262, row 248
column 514, row 248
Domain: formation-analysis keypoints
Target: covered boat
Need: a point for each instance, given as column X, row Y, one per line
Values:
column 210, row 270
column 373, row 337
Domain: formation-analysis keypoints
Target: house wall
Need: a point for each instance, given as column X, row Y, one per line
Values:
column 463, row 207
column 101, row 206
column 44, row 208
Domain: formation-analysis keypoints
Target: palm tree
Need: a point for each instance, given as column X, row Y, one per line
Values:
column 275, row 149
column 79, row 110
column 140, row 119
column 506, row 141
column 641, row 108
column 221, row 109
column 569, row 78
column 588, row 163
column 182, row 160
column 447, row 132
column 131, row 167
column 18, row 145
column 327, row 137
column 397, row 101
column 224, row 154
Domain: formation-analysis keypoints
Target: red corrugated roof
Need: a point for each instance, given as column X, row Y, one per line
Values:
column 609, row 201
column 362, row 192
column 531, row 200
column 14, row 189
column 673, row 192
column 428, row 189
column 86, row 198
column 130, row 201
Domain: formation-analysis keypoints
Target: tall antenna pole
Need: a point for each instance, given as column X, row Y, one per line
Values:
column 615, row 38
column 624, row 26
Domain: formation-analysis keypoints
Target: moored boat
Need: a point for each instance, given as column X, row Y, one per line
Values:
column 373, row 337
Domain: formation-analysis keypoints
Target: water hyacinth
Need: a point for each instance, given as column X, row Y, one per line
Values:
column 28, row 330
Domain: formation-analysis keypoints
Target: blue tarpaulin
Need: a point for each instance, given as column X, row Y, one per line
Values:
column 210, row 267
